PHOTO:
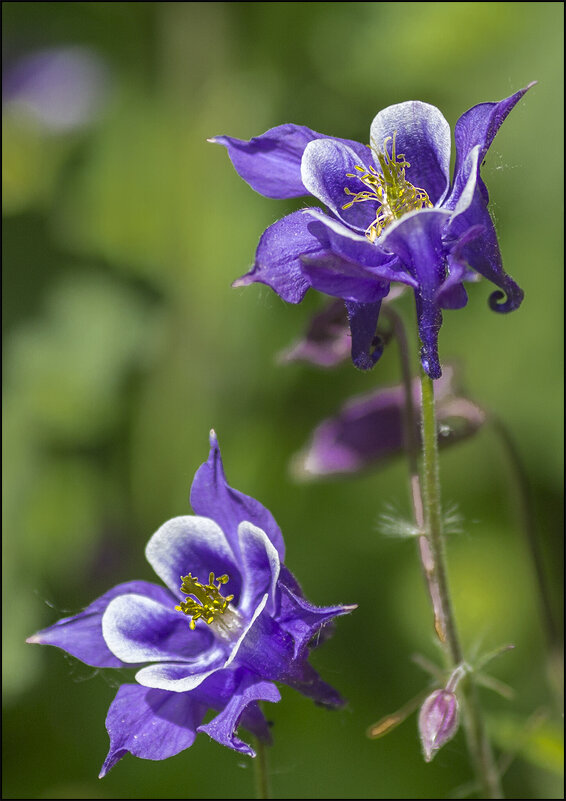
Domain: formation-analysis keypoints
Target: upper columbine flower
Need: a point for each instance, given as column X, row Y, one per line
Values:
column 392, row 215
column 230, row 620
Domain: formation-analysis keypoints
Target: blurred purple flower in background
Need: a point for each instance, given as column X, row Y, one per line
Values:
column 62, row 88
column 369, row 429
column 197, row 645
column 393, row 214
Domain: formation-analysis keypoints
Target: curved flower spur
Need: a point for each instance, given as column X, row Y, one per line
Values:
column 229, row 622
column 392, row 215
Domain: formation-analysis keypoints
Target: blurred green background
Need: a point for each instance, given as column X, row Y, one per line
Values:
column 124, row 344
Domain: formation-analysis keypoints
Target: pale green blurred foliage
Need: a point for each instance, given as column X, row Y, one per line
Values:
column 125, row 344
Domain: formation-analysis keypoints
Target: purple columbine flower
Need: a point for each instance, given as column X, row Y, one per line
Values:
column 229, row 622
column 368, row 429
column 393, row 214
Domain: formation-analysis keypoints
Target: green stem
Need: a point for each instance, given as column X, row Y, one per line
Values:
column 262, row 789
column 478, row 743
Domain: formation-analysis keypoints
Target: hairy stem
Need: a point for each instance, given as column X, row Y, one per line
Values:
column 478, row 743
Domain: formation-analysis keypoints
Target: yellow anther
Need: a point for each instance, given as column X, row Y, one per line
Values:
column 396, row 196
column 206, row 601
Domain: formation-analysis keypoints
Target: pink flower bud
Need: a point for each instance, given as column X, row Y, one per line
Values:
column 438, row 721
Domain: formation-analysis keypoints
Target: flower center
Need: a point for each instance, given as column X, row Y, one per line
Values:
column 207, row 602
column 395, row 195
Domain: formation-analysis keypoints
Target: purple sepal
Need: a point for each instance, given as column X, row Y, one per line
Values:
column 271, row 163
column 212, row 496
column 151, row 724
column 81, row 635
column 224, row 726
column 366, row 346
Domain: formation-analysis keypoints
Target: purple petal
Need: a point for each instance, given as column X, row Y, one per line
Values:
column 260, row 569
column 302, row 620
column 186, row 676
column 325, row 168
column 482, row 253
column 271, row 163
column 342, row 241
column 194, row 545
column 340, row 278
column 81, row 635
column 417, row 240
column 182, row 677
column 366, row 430
column 306, row 680
column 211, row 496
column 422, row 135
column 366, row 346
column 266, row 649
column 477, row 127
column 278, row 257
column 224, row 726
column 150, row 724
column 138, row 629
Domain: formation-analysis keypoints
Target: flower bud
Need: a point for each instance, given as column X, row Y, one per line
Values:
column 438, row 721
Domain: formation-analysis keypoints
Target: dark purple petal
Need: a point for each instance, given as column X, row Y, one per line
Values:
column 271, row 163
column 325, row 169
column 327, row 340
column 341, row 278
column 212, row 497
column 195, row 545
column 278, row 257
column 302, row 620
column 306, row 680
column 224, row 726
column 366, row 345
column 81, row 635
column 422, row 135
column 342, row 241
column 259, row 565
column 266, row 649
column 150, row 724
column 482, row 253
column 138, row 629
column 417, row 240
column 478, row 127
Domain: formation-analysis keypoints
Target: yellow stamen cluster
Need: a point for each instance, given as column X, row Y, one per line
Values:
column 209, row 604
column 390, row 188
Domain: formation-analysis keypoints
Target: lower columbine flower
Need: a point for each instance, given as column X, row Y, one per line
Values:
column 392, row 214
column 229, row 622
